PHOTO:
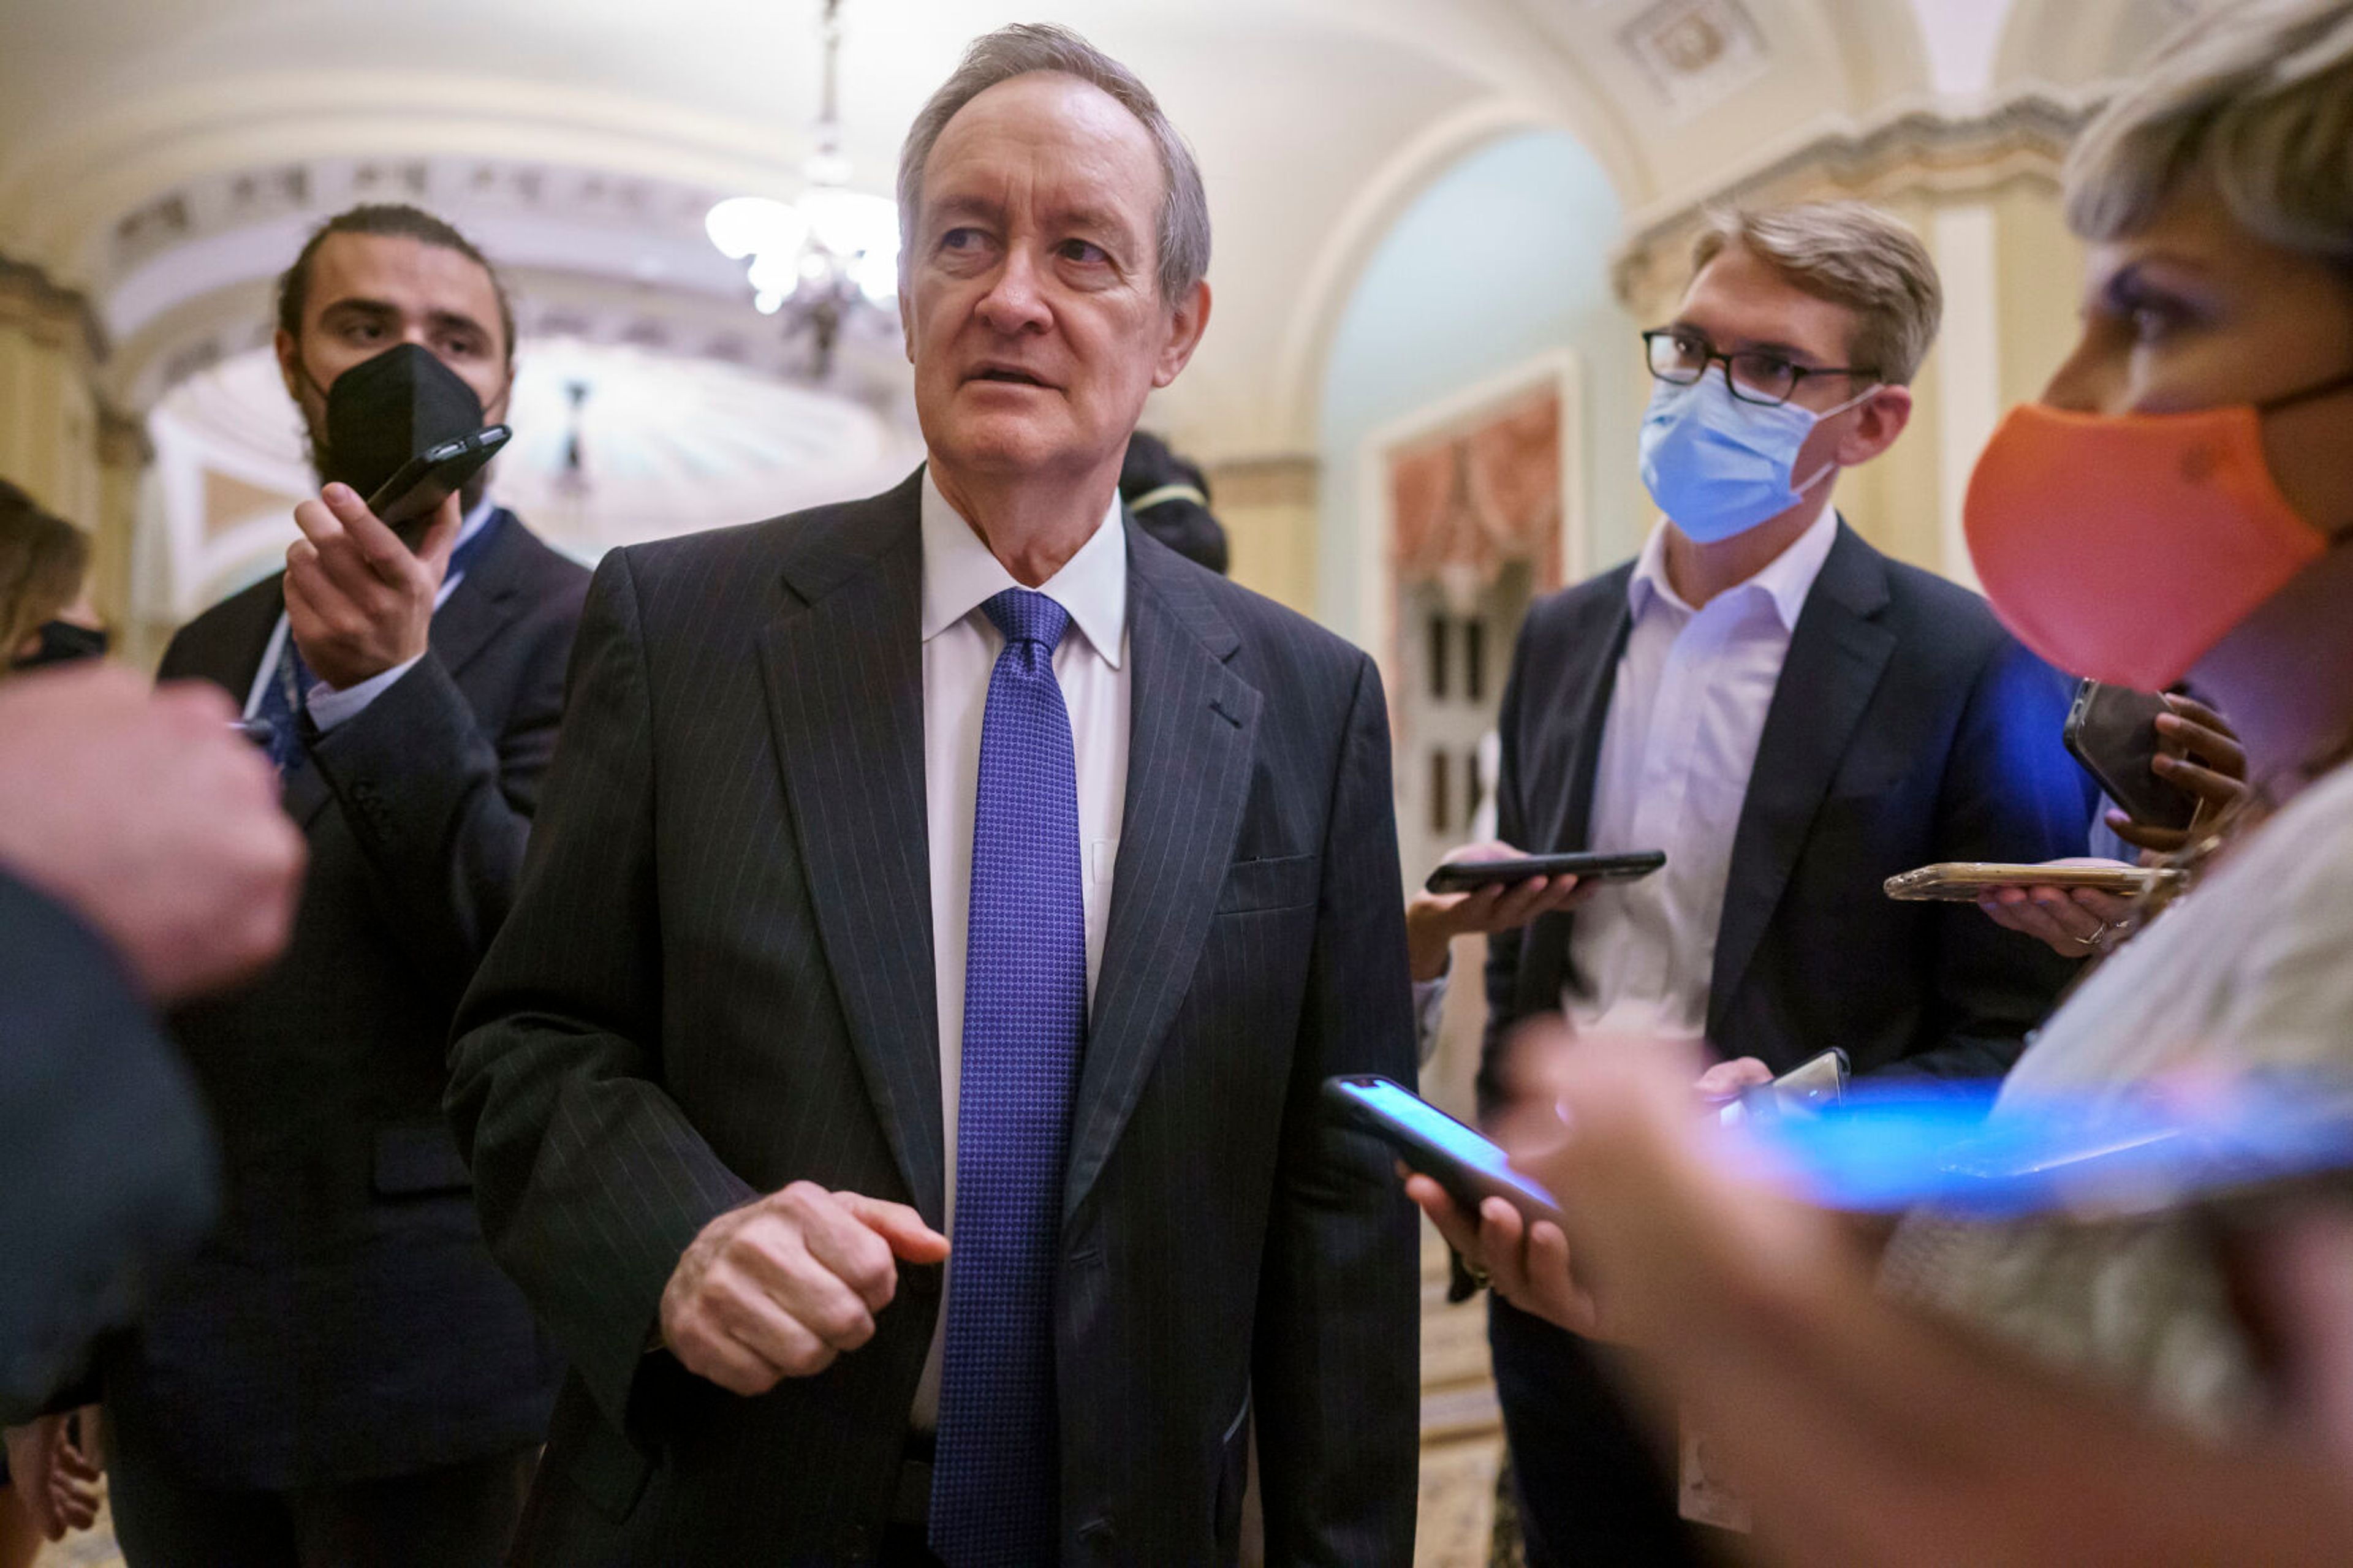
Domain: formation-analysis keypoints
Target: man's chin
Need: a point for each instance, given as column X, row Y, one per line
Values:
column 997, row 444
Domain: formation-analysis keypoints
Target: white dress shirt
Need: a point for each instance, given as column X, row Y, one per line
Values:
column 1685, row 714
column 960, row 648
column 327, row 706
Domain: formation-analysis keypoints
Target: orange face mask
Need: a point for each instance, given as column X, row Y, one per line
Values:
column 2123, row 547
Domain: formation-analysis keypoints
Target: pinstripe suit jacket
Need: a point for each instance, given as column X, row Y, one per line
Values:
column 717, row 980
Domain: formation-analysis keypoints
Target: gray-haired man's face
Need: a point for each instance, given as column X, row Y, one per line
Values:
column 1032, row 309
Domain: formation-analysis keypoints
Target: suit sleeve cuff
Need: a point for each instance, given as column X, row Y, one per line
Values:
column 1428, row 1009
column 330, row 707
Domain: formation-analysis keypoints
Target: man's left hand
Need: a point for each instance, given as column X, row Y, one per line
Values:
column 358, row 601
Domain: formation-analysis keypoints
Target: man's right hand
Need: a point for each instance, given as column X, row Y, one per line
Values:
column 143, row 810
column 779, row 1288
column 1433, row 921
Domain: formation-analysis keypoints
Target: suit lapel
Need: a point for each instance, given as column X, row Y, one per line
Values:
column 478, row 605
column 1193, row 724
column 1837, row 654
column 845, row 684
column 1572, row 751
column 1589, row 713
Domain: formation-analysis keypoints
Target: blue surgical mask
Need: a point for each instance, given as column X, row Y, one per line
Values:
column 1718, row 466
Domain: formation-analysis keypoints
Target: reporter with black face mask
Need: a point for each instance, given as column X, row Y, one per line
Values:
column 342, row 1375
column 42, row 559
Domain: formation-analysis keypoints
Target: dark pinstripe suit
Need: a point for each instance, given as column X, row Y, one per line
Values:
column 718, row 980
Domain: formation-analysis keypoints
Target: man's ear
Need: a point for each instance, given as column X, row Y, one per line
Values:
column 1186, row 325
column 288, row 351
column 1877, row 424
column 906, row 318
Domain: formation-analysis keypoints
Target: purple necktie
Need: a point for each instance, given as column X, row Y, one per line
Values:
column 995, row 1491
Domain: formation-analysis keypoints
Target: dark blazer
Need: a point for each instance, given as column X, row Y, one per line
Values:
column 1908, row 728
column 718, row 980
column 106, row 1163
column 346, row 1319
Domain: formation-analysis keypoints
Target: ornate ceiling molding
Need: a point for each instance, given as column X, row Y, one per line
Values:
column 1914, row 153
column 50, row 315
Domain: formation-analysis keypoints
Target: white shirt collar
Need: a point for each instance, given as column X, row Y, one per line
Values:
column 960, row 576
column 1785, row 580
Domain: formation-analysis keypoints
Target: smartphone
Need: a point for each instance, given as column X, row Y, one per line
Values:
column 432, row 476
column 1814, row 1084
column 1966, row 881
column 2101, row 1155
column 1462, row 876
column 2112, row 731
column 1468, row 1166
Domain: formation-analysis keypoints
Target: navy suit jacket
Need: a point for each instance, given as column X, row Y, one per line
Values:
column 105, row 1161
column 1907, row 728
column 346, row 1319
column 718, row 980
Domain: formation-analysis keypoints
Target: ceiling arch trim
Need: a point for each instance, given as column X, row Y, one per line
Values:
column 1330, row 277
column 59, row 200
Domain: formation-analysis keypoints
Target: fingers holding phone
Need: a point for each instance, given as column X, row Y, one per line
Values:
column 1525, row 1263
column 2198, row 751
column 1473, row 893
column 359, row 601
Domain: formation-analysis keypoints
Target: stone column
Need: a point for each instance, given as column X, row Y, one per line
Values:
column 1268, row 508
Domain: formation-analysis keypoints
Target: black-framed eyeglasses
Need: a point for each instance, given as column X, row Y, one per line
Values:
column 1680, row 358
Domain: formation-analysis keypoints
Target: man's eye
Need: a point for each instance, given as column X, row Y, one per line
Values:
column 960, row 239
column 1085, row 251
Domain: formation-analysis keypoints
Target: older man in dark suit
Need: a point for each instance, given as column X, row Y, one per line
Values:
column 961, row 866
column 342, row 1373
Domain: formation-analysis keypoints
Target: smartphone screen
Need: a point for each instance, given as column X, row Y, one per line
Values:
column 1415, row 1116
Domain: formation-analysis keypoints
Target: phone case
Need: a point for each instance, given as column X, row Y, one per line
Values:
column 2112, row 731
column 1598, row 866
column 1963, row 882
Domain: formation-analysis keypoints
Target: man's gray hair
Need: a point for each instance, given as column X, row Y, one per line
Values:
column 1029, row 46
column 2255, row 97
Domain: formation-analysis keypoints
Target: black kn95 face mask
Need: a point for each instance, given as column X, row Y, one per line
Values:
column 386, row 410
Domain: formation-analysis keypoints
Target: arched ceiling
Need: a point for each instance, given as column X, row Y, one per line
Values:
column 162, row 155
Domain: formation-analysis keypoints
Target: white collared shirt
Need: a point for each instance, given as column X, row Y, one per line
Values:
column 327, row 706
column 1686, row 712
column 960, row 648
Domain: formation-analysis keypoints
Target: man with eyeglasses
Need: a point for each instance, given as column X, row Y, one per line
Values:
column 1793, row 718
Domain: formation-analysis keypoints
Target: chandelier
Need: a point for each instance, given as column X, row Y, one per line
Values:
column 830, row 256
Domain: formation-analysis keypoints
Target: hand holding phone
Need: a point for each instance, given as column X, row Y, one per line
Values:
column 1482, row 888
column 359, row 600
